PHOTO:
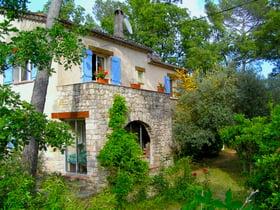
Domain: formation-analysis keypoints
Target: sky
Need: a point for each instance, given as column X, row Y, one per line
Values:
column 195, row 7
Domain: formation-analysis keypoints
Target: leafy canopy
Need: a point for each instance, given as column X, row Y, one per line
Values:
column 19, row 121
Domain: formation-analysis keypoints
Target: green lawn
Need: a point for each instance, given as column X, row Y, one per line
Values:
column 224, row 173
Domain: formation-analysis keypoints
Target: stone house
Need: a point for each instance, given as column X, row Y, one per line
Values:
column 77, row 98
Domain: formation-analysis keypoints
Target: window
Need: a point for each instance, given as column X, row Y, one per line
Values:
column 170, row 84
column 97, row 61
column 97, row 57
column 143, row 137
column 140, row 74
column 76, row 156
column 19, row 74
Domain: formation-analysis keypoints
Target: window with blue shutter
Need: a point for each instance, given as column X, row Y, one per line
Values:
column 167, row 87
column 87, row 67
column 116, row 70
column 8, row 76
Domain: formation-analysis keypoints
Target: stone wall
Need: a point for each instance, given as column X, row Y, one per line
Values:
column 153, row 109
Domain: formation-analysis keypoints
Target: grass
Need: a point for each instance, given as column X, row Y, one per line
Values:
column 225, row 171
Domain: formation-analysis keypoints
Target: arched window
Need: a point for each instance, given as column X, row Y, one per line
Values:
column 143, row 137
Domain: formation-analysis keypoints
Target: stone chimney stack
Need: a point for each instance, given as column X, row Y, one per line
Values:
column 118, row 23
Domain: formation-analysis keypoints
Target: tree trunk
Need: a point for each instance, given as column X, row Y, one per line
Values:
column 30, row 152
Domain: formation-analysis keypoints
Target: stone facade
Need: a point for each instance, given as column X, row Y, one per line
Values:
column 150, row 108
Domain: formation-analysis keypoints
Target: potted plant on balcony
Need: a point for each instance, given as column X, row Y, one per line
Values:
column 100, row 75
column 136, row 85
column 160, row 87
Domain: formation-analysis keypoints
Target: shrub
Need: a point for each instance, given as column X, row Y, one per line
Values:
column 104, row 200
column 121, row 154
column 266, row 179
column 173, row 183
column 15, row 185
column 55, row 194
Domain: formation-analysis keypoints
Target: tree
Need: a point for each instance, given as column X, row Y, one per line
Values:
column 202, row 111
column 155, row 25
column 252, row 95
column 239, row 19
column 71, row 11
column 121, row 154
column 19, row 121
column 103, row 12
column 257, row 143
column 12, row 10
column 67, row 48
column 199, row 53
column 267, row 35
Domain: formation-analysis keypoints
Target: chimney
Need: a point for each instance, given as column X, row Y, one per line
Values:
column 118, row 23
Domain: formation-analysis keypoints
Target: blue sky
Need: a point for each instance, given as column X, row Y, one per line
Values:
column 195, row 7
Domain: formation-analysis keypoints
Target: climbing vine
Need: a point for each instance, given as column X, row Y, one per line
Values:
column 121, row 155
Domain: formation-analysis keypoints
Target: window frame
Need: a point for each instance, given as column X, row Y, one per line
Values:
column 79, row 140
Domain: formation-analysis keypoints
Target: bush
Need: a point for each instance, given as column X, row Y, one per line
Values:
column 15, row 185
column 266, row 179
column 200, row 112
column 55, row 194
column 121, row 155
column 174, row 182
column 104, row 200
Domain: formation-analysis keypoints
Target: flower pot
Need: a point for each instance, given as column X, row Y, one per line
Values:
column 161, row 90
column 101, row 80
column 137, row 86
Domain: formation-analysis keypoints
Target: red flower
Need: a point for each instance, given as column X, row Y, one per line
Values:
column 194, row 174
column 101, row 73
column 204, row 170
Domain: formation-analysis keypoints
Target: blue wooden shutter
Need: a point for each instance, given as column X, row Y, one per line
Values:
column 33, row 72
column 8, row 75
column 167, row 84
column 116, row 70
column 87, row 67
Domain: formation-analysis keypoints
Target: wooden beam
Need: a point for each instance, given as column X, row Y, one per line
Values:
column 100, row 51
column 69, row 115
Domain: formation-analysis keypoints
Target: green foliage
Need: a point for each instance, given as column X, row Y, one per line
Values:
column 266, row 179
column 19, row 121
column 121, row 154
column 258, row 141
column 273, row 87
column 13, row 9
column 253, row 138
column 174, row 182
column 267, row 35
column 200, row 113
column 47, row 44
column 159, row 31
column 15, row 185
column 104, row 200
column 71, row 11
column 233, row 28
column 204, row 200
column 55, row 194
column 251, row 97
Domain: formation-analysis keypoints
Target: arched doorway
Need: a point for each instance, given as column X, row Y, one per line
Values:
column 140, row 130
